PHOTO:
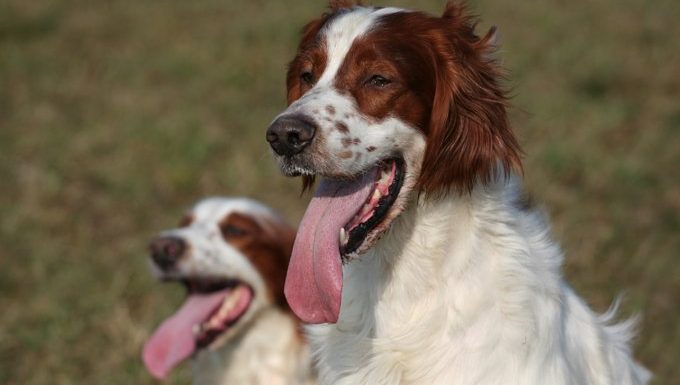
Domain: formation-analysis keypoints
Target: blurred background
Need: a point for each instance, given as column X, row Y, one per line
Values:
column 115, row 116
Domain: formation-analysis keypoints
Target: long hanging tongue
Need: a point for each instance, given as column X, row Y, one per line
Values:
column 314, row 281
column 174, row 340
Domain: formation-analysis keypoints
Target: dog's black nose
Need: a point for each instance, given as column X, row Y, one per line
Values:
column 289, row 135
column 166, row 251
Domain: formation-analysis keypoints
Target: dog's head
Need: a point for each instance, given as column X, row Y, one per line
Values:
column 384, row 104
column 232, row 255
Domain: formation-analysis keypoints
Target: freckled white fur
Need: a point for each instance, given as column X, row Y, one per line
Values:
column 264, row 347
column 467, row 290
column 385, row 138
column 461, row 290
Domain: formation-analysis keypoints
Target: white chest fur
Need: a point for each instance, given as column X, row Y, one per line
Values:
column 270, row 353
column 467, row 290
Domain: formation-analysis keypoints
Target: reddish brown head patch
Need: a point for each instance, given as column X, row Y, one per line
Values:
column 310, row 61
column 267, row 246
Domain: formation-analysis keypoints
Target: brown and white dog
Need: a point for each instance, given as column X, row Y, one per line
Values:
column 232, row 255
column 417, row 256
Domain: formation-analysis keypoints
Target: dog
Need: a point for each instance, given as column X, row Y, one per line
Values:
column 232, row 255
column 418, row 261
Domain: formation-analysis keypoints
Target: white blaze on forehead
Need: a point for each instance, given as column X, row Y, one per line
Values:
column 340, row 34
column 216, row 209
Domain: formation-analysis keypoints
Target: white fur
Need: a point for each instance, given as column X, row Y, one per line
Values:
column 339, row 36
column 268, row 352
column 264, row 347
column 467, row 290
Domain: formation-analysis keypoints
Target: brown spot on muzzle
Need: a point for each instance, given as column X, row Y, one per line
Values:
column 342, row 127
column 345, row 154
column 346, row 142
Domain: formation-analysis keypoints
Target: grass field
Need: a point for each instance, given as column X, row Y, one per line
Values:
column 117, row 115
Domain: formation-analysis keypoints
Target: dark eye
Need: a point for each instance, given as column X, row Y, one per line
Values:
column 307, row 77
column 378, row 81
column 231, row 231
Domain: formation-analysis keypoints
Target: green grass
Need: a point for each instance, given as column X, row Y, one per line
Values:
column 115, row 116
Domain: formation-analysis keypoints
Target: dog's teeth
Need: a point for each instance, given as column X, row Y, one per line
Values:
column 229, row 303
column 343, row 236
column 197, row 329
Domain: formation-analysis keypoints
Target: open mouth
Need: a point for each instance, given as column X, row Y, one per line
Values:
column 386, row 188
column 211, row 309
column 236, row 298
column 344, row 218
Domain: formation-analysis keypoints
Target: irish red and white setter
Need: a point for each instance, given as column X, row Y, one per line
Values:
column 232, row 255
column 417, row 260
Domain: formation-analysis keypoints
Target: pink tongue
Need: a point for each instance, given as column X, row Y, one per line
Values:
column 174, row 340
column 314, row 281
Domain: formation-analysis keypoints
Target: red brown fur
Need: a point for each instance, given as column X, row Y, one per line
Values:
column 267, row 248
column 469, row 120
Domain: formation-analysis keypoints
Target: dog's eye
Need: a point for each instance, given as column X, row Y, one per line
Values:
column 378, row 81
column 307, row 77
column 231, row 231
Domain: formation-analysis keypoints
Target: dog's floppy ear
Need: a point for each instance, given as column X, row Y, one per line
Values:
column 469, row 137
column 282, row 237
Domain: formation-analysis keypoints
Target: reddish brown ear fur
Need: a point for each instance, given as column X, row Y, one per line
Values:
column 283, row 248
column 469, row 132
column 341, row 4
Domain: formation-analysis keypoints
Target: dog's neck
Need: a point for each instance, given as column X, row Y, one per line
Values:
column 270, row 351
column 450, row 274
column 466, row 289
column 445, row 250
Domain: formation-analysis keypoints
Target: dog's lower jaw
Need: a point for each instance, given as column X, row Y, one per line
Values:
column 455, row 287
column 292, row 169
